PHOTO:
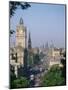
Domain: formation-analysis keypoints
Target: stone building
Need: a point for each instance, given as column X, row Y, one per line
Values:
column 17, row 53
column 21, row 42
column 54, row 57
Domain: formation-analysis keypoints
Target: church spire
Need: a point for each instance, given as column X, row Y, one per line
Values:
column 46, row 45
column 29, row 42
column 21, row 21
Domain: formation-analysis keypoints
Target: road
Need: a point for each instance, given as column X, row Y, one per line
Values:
column 38, row 71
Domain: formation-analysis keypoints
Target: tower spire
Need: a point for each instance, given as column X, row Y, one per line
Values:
column 46, row 45
column 29, row 42
column 52, row 45
column 21, row 20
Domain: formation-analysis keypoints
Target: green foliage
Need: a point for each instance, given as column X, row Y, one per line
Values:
column 53, row 77
column 21, row 82
column 25, row 57
column 63, row 61
column 12, row 32
column 16, row 5
column 30, row 60
column 41, row 55
column 36, row 58
column 12, row 75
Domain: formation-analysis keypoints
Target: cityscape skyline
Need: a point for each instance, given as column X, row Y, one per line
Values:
column 45, row 22
column 38, row 54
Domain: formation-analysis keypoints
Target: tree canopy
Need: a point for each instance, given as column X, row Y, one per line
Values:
column 53, row 77
column 21, row 82
column 15, row 5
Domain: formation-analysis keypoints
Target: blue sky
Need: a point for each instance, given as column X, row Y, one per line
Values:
column 46, row 22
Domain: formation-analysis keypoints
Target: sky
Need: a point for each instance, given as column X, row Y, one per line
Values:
column 46, row 23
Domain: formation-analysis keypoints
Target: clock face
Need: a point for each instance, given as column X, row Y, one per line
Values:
column 20, row 31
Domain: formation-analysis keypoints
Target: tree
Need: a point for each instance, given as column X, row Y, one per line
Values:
column 21, row 82
column 14, row 6
column 53, row 77
column 30, row 59
column 25, row 57
column 11, row 32
column 63, row 61
column 12, row 76
column 36, row 58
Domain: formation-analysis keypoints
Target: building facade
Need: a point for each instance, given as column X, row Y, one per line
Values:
column 55, row 58
column 21, row 41
column 17, row 52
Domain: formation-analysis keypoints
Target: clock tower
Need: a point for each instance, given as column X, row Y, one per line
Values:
column 21, row 37
column 21, row 34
